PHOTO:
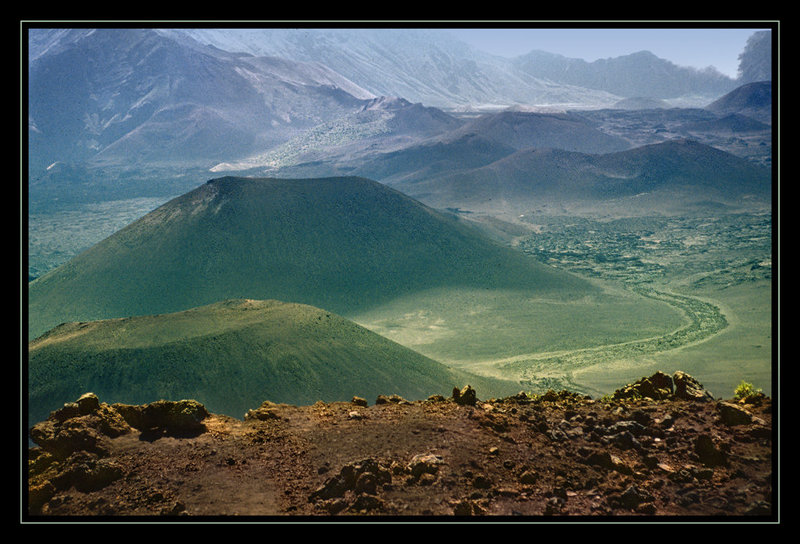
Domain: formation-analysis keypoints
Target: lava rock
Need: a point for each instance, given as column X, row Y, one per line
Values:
column 708, row 453
column 731, row 414
column 466, row 396
column 688, row 388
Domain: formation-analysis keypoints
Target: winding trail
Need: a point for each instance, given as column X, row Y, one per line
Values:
column 552, row 370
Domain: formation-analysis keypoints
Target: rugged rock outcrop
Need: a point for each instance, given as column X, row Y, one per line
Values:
column 74, row 443
column 167, row 417
column 629, row 454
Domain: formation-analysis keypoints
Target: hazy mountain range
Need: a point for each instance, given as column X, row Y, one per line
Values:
column 640, row 74
column 420, row 65
column 118, row 111
column 673, row 176
column 118, row 96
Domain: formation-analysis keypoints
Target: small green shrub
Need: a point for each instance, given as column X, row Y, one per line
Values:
column 745, row 391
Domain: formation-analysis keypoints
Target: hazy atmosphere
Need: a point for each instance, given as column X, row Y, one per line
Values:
column 699, row 48
column 271, row 225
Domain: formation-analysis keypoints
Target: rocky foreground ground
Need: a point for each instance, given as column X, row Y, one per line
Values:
column 660, row 448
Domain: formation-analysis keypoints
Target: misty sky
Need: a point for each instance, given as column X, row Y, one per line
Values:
column 699, row 48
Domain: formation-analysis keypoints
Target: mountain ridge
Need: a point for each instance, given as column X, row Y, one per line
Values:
column 751, row 100
column 528, row 178
column 639, row 74
column 422, row 65
column 136, row 104
column 129, row 88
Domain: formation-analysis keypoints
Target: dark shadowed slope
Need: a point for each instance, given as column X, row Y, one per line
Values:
column 524, row 129
column 486, row 139
column 435, row 157
column 343, row 244
column 752, row 100
column 232, row 356
column 528, row 178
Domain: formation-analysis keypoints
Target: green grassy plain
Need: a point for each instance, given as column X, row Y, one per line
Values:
column 743, row 351
column 689, row 293
column 721, row 265
column 470, row 328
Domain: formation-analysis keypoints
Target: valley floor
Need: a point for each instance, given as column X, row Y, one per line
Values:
column 699, row 294
column 715, row 269
column 542, row 371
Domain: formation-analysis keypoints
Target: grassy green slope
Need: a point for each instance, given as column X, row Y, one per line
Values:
column 232, row 356
column 344, row 244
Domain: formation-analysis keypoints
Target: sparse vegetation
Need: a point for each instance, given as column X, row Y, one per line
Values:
column 693, row 263
column 723, row 249
column 746, row 393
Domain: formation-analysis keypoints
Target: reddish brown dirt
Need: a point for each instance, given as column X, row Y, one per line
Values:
column 514, row 458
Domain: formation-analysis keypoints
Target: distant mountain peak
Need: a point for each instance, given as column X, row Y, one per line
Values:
column 386, row 103
column 644, row 54
column 639, row 74
column 751, row 99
